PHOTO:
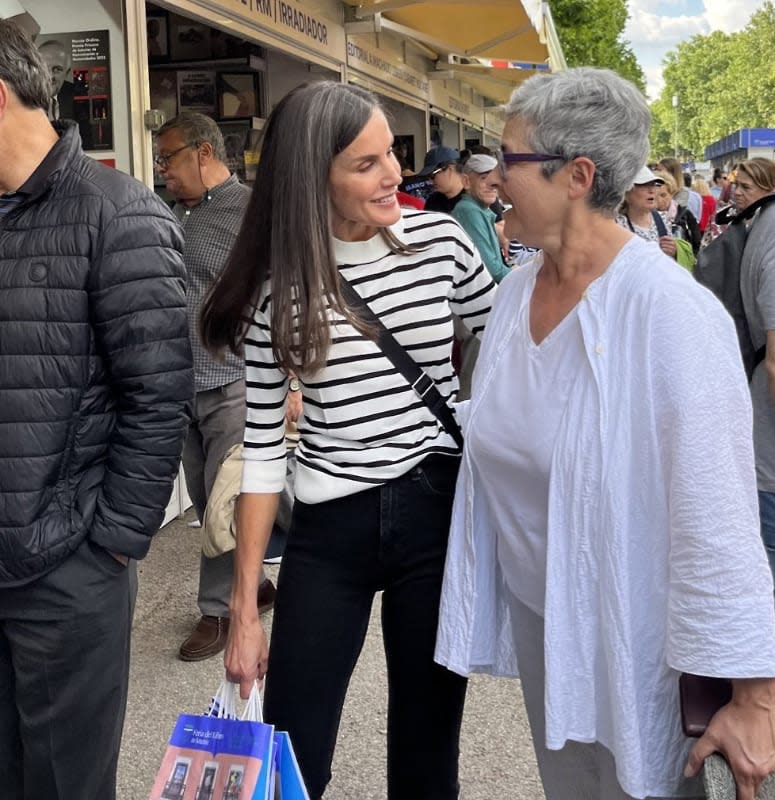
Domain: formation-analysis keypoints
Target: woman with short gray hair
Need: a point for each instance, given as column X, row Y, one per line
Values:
column 605, row 538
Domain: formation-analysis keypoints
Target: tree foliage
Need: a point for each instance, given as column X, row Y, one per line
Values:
column 723, row 82
column 590, row 32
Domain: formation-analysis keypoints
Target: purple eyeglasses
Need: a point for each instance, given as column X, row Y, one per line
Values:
column 505, row 160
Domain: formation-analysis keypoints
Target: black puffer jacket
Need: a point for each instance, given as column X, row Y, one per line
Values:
column 95, row 364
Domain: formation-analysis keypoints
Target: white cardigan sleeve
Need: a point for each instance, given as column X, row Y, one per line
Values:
column 721, row 619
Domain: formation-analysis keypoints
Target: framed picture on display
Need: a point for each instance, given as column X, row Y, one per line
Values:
column 238, row 96
column 236, row 138
column 158, row 44
column 188, row 40
column 163, row 85
column 196, row 91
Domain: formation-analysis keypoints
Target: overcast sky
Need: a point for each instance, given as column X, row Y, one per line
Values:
column 656, row 26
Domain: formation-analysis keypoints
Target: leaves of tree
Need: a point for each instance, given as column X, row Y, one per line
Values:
column 723, row 82
column 590, row 32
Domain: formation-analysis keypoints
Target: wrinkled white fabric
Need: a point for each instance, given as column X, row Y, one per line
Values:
column 518, row 438
column 654, row 560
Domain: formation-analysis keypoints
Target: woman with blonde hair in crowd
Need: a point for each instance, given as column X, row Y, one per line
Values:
column 665, row 202
column 685, row 223
column 754, row 178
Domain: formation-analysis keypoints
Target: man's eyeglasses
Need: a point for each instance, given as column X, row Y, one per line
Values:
column 505, row 160
column 163, row 161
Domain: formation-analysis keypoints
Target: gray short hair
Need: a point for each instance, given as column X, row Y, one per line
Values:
column 587, row 112
column 197, row 128
column 22, row 67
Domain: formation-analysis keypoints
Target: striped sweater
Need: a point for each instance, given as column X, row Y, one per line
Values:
column 363, row 424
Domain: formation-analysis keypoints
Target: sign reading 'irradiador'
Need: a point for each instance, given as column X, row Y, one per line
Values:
column 293, row 20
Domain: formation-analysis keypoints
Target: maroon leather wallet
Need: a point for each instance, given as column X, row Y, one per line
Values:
column 701, row 697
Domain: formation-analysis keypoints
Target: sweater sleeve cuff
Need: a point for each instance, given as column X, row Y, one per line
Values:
column 263, row 477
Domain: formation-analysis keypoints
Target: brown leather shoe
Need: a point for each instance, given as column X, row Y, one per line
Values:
column 207, row 639
column 266, row 595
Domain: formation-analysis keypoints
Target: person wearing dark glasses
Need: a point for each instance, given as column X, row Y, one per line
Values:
column 605, row 533
column 442, row 167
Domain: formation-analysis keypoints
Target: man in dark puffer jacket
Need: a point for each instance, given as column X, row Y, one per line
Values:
column 95, row 380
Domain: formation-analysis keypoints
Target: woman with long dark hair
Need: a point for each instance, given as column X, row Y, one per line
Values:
column 376, row 469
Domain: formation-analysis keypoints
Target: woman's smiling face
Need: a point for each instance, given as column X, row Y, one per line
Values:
column 363, row 181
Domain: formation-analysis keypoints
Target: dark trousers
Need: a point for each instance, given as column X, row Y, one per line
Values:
column 339, row 554
column 64, row 671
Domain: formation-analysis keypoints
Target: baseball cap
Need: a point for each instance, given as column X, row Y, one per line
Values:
column 481, row 163
column 645, row 175
column 437, row 156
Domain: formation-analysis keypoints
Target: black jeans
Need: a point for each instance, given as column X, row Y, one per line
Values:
column 339, row 553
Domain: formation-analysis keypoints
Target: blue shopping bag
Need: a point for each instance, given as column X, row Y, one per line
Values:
column 216, row 758
column 289, row 785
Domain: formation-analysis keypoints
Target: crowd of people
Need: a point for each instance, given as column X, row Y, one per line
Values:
column 588, row 513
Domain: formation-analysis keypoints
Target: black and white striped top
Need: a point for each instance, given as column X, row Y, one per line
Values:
column 362, row 423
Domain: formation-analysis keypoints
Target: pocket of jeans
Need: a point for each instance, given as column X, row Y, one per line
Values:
column 437, row 477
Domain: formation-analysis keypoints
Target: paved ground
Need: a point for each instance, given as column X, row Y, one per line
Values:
column 497, row 761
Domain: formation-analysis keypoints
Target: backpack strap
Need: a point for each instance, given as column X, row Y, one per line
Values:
column 659, row 222
column 688, row 223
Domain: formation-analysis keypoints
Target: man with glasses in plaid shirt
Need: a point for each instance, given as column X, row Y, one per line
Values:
column 210, row 203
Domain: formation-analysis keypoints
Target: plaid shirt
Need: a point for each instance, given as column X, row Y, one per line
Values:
column 210, row 229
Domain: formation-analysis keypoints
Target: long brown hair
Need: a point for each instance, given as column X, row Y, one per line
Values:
column 286, row 232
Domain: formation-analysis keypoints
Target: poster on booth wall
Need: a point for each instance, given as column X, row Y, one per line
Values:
column 196, row 91
column 79, row 63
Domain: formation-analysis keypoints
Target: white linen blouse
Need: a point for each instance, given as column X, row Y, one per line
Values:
column 655, row 563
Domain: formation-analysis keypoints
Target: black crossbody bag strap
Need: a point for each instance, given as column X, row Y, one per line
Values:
column 422, row 384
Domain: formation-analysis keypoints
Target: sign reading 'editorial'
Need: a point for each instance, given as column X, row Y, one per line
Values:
column 79, row 65
column 362, row 55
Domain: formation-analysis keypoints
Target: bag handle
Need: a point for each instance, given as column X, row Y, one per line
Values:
column 253, row 711
column 224, row 702
column 419, row 380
